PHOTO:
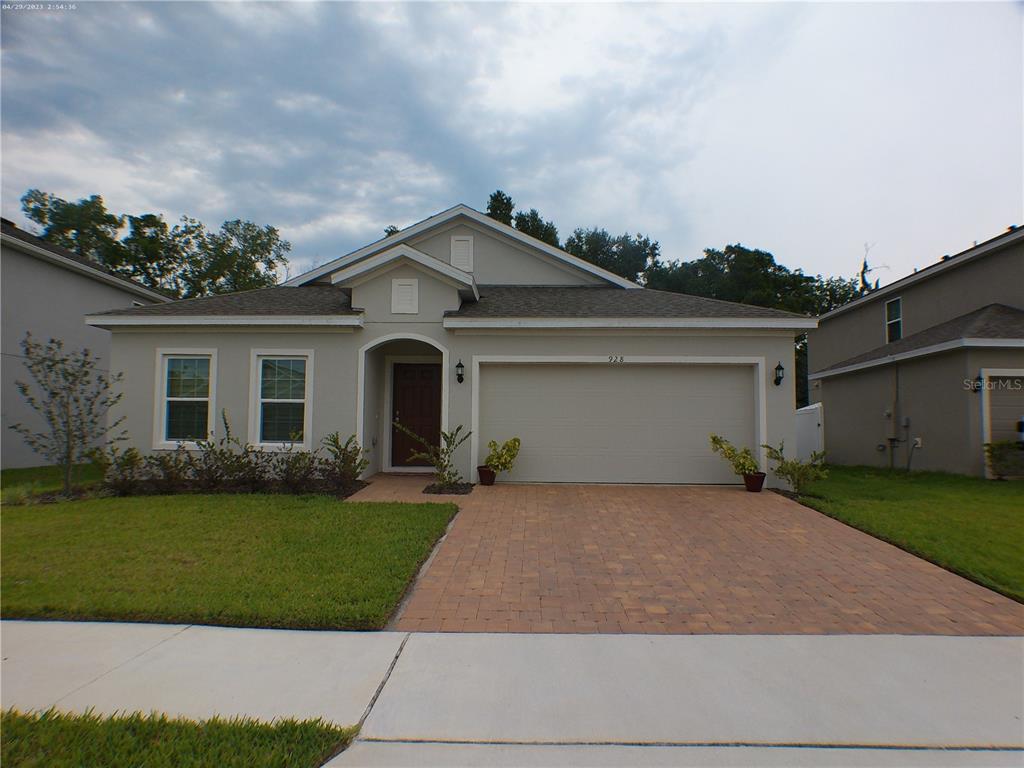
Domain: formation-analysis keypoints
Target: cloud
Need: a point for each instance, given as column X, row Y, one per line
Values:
column 804, row 129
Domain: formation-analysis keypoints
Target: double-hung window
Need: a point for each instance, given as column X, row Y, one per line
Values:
column 185, row 408
column 280, row 414
column 893, row 320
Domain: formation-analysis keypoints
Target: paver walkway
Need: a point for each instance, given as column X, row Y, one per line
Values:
column 675, row 559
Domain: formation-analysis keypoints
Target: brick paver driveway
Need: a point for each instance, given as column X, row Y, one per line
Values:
column 675, row 559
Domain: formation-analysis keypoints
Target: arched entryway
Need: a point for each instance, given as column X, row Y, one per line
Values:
column 403, row 376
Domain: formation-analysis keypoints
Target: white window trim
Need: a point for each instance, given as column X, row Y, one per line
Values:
column 888, row 322
column 254, row 398
column 451, row 252
column 160, row 441
column 399, row 282
column 757, row 363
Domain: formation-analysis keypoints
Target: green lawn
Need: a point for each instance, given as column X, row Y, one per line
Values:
column 52, row 740
column 31, row 480
column 971, row 526
column 240, row 560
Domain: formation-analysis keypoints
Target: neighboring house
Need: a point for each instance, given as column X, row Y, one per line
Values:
column 461, row 320
column 938, row 355
column 47, row 290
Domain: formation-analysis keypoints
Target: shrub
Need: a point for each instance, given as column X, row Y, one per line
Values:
column 17, row 496
column 122, row 470
column 502, row 458
column 344, row 463
column 168, row 472
column 795, row 472
column 297, row 470
column 441, row 457
column 1005, row 458
column 230, row 463
column 741, row 459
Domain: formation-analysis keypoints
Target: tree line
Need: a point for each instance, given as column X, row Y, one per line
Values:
column 184, row 261
column 732, row 273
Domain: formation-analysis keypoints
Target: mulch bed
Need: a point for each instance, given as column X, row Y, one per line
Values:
column 449, row 490
column 98, row 492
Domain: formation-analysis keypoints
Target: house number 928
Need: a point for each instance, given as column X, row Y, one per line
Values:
column 616, row 359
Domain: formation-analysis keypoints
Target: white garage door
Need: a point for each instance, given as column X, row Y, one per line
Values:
column 617, row 423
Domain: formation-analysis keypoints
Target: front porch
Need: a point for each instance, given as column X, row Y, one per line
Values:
column 402, row 379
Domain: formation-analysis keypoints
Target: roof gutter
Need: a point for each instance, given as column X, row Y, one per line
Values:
column 55, row 258
column 796, row 323
column 137, row 321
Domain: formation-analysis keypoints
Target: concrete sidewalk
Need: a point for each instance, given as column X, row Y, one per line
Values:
column 505, row 699
column 192, row 671
column 724, row 689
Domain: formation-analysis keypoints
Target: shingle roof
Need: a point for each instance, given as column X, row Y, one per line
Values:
column 10, row 230
column 278, row 300
column 599, row 301
column 995, row 321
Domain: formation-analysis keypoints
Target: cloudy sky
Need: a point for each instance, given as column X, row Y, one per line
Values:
column 807, row 130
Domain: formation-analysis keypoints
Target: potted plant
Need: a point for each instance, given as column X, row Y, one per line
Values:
column 500, row 459
column 742, row 460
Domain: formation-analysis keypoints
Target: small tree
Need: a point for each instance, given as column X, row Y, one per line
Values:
column 795, row 472
column 73, row 398
column 441, row 457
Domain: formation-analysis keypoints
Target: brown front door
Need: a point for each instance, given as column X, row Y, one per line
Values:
column 416, row 405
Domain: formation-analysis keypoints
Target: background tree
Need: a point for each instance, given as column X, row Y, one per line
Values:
column 73, row 398
column 624, row 255
column 500, row 207
column 390, row 230
column 531, row 223
column 751, row 276
column 240, row 257
column 185, row 260
column 85, row 227
column 149, row 253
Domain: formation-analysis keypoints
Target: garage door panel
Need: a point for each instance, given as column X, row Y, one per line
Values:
column 625, row 423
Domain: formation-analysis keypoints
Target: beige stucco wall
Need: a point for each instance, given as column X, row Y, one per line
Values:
column 50, row 302
column 334, row 375
column 499, row 260
column 993, row 279
column 374, row 298
column 336, row 366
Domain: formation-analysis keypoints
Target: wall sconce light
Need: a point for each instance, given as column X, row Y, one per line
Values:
column 979, row 384
column 779, row 373
column 460, row 372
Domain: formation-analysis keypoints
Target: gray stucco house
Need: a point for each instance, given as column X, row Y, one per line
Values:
column 461, row 320
column 937, row 355
column 48, row 290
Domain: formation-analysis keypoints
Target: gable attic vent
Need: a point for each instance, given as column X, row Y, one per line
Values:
column 462, row 252
column 405, row 296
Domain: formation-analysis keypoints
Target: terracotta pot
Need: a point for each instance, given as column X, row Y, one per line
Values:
column 487, row 475
column 754, row 482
